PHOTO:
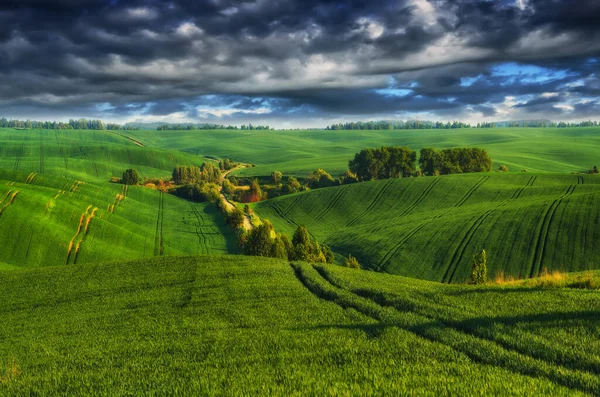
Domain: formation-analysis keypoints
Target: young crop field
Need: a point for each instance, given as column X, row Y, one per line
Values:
column 430, row 227
column 86, row 155
column 47, row 220
column 246, row 326
column 556, row 150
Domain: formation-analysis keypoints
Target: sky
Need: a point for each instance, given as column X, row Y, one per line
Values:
column 300, row 63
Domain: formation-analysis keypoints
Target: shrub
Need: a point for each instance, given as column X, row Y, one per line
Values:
column 319, row 178
column 131, row 177
column 228, row 187
column 503, row 168
column 235, row 218
column 277, row 177
column 479, row 274
column 292, row 186
column 199, row 192
column 348, row 178
column 351, row 262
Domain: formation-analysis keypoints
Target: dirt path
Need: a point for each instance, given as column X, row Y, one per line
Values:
column 229, row 204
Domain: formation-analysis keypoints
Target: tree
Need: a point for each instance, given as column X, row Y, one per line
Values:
column 260, row 241
column 292, row 186
column 131, row 177
column 351, row 262
column 277, row 177
column 479, row 274
column 319, row 178
column 503, row 168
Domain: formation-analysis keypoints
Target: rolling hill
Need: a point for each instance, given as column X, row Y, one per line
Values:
column 251, row 326
column 555, row 150
column 47, row 220
column 430, row 227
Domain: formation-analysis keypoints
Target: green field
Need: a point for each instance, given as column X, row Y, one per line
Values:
column 48, row 220
column 557, row 150
column 85, row 155
column 430, row 227
column 248, row 326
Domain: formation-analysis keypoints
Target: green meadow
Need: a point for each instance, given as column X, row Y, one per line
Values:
column 430, row 227
column 299, row 152
column 231, row 325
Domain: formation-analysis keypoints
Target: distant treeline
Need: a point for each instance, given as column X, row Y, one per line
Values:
column 395, row 162
column 189, row 127
column 427, row 125
column 79, row 124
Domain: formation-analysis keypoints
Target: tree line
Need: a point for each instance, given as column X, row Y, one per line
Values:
column 190, row 127
column 428, row 125
column 78, row 124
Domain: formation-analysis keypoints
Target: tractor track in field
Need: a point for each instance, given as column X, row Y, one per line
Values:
column 85, row 155
column 394, row 250
column 479, row 349
column 332, row 203
column 544, row 228
column 41, row 152
column 8, row 200
column 464, row 244
column 202, row 239
column 470, row 192
column 18, row 156
column 374, row 202
column 292, row 204
column 580, row 180
column 158, row 236
column 422, row 197
column 519, row 191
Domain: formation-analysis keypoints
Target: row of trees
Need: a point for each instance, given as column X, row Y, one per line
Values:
column 538, row 124
column 207, row 172
column 454, row 161
column 398, row 125
column 191, row 126
column 383, row 163
column 79, row 124
column 263, row 241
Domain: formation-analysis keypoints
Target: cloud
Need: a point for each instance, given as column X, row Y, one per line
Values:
column 298, row 59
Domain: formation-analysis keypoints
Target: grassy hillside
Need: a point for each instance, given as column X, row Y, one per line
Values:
column 48, row 220
column 430, row 227
column 238, row 325
column 300, row 152
column 84, row 155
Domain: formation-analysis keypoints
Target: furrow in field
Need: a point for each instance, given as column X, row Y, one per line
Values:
column 374, row 202
column 540, row 246
column 519, row 191
column 202, row 239
column 479, row 350
column 158, row 236
column 422, row 197
column 41, row 152
column 392, row 252
column 463, row 245
column 468, row 195
column 293, row 204
column 332, row 203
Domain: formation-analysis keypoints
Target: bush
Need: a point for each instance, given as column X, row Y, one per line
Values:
column 292, row 186
column 351, row 262
column 198, row 192
column 235, row 218
column 319, row 178
column 503, row 168
column 277, row 177
column 479, row 274
column 348, row 178
column 228, row 187
column 131, row 177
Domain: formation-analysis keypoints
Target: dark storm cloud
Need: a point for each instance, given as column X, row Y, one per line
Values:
column 292, row 58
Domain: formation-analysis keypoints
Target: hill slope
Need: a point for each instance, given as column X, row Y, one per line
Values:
column 46, row 220
column 238, row 325
column 430, row 227
column 86, row 155
column 560, row 150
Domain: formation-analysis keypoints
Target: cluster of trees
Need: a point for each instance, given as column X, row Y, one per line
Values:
column 263, row 241
column 79, row 124
column 199, row 192
column 398, row 125
column 207, row 172
column 537, row 124
column 226, row 164
column 130, row 177
column 454, row 161
column 594, row 170
column 383, row 163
